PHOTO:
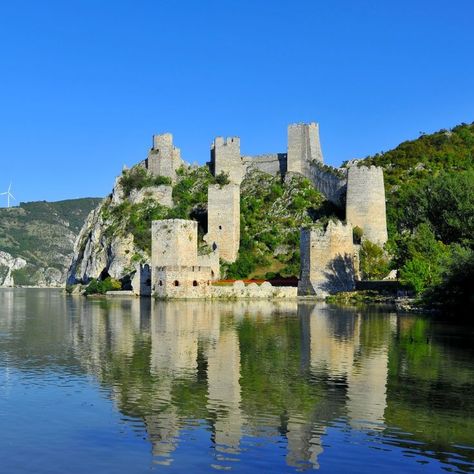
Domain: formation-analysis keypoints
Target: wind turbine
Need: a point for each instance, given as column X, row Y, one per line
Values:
column 9, row 195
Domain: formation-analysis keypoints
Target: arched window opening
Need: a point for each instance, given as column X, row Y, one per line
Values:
column 160, row 283
column 176, row 283
column 195, row 283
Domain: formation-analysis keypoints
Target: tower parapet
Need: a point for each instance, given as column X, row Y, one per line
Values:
column 303, row 147
column 164, row 158
column 365, row 202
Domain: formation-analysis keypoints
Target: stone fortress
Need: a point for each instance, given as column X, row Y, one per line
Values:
column 329, row 256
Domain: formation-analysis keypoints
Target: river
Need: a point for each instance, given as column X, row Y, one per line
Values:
column 133, row 386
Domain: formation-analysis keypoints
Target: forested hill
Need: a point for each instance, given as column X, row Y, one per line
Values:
column 43, row 234
column 430, row 211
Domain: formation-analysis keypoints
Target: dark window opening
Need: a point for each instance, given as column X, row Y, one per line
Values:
column 195, row 283
column 220, row 227
column 176, row 283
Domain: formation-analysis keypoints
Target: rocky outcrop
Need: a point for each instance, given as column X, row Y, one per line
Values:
column 7, row 265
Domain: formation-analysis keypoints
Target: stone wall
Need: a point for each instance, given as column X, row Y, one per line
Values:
column 223, row 220
column 303, row 147
column 141, row 281
column 162, row 194
column 225, row 158
column 327, row 260
column 253, row 291
column 181, row 281
column 332, row 186
column 365, row 202
column 272, row 163
column 211, row 260
column 164, row 158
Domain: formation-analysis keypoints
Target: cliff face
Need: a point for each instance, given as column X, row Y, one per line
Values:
column 37, row 241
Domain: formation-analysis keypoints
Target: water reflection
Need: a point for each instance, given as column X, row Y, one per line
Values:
column 287, row 374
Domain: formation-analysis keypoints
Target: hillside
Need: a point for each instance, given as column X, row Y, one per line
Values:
column 430, row 213
column 40, row 237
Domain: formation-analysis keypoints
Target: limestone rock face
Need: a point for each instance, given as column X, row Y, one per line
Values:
column 97, row 253
column 7, row 265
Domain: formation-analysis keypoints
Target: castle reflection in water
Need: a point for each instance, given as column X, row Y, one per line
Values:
column 174, row 349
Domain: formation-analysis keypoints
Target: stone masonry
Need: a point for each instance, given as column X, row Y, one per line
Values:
column 223, row 220
column 303, row 147
column 365, row 202
column 164, row 158
column 327, row 260
column 174, row 259
column 225, row 158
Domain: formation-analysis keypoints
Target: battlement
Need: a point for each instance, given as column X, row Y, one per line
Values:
column 229, row 141
column 365, row 202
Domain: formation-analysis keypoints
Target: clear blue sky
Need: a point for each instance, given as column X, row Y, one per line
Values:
column 85, row 83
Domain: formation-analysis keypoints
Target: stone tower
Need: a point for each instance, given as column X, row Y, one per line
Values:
column 365, row 202
column 327, row 260
column 223, row 220
column 174, row 242
column 176, row 272
column 303, row 147
column 225, row 158
column 164, row 158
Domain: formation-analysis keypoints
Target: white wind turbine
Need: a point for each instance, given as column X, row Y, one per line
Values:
column 9, row 195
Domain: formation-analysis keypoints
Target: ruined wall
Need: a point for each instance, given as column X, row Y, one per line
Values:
column 327, row 260
column 173, row 242
column 164, row 158
column 141, row 281
column 162, row 194
column 365, row 202
column 223, row 220
column 253, row 291
column 225, row 158
column 303, row 147
column 272, row 163
column 332, row 186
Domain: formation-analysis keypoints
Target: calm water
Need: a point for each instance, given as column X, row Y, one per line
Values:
column 135, row 386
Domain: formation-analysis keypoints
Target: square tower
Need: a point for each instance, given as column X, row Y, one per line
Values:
column 303, row 147
column 174, row 242
column 223, row 220
column 164, row 158
column 225, row 158
column 327, row 260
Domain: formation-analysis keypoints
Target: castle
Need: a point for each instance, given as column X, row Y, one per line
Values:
column 329, row 256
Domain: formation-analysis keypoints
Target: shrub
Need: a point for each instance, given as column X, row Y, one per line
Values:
column 98, row 287
column 374, row 263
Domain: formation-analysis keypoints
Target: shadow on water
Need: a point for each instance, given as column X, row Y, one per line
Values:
column 313, row 380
